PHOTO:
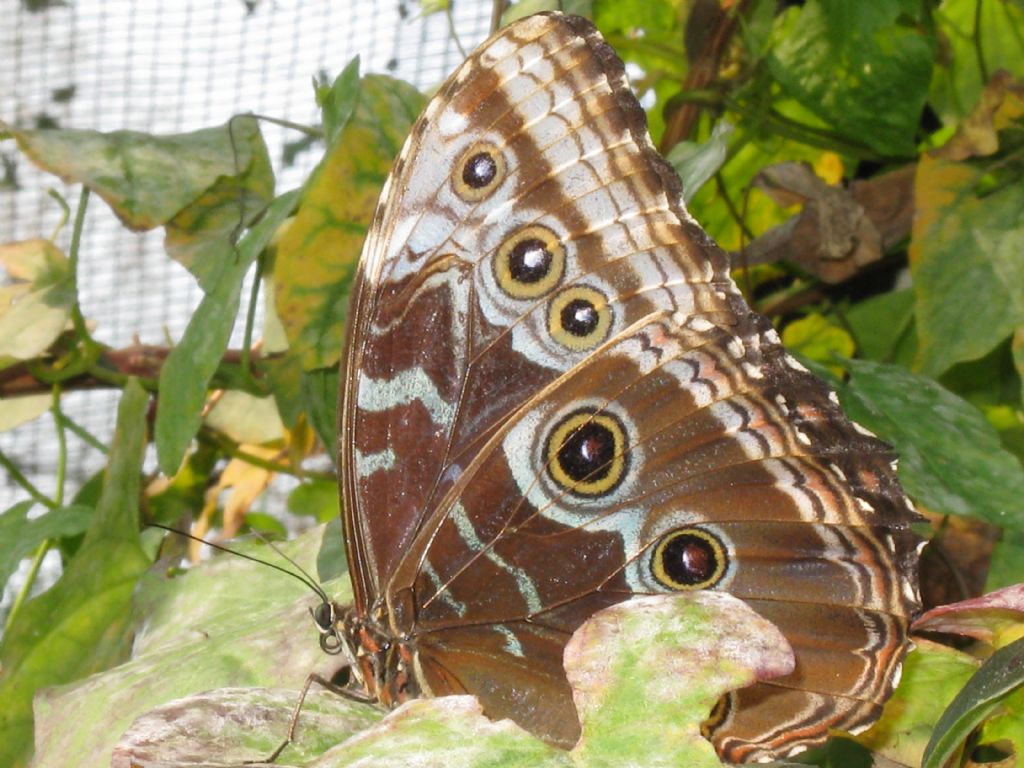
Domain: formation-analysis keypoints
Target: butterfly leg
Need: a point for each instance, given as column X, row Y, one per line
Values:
column 353, row 694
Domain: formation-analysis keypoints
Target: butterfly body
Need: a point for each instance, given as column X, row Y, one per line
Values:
column 554, row 398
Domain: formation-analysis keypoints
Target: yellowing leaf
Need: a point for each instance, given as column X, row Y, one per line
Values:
column 244, row 482
column 246, row 418
column 932, row 676
column 1001, row 104
column 965, row 255
column 36, row 260
column 34, row 313
column 15, row 411
column 816, row 338
column 317, row 256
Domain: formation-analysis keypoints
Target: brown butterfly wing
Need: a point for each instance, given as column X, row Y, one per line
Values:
column 553, row 387
column 814, row 532
column 435, row 360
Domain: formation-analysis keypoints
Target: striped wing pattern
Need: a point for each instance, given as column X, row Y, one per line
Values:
column 556, row 398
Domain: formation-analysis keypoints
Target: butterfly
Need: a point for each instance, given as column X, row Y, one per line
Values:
column 554, row 398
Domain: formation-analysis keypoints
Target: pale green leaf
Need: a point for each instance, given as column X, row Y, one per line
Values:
column 229, row 622
column 246, row 418
column 697, row 162
column 145, row 179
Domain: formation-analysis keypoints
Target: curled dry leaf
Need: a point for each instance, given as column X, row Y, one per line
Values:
column 839, row 231
column 1000, row 104
column 986, row 618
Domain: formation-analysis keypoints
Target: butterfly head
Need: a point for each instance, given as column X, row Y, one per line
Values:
column 325, row 617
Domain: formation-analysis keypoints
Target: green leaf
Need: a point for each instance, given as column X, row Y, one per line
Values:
column 427, row 7
column 815, row 338
column 203, row 235
column 78, row 627
column 317, row 256
column 524, row 8
column 1007, row 565
column 991, row 385
column 190, row 365
column 338, row 102
column 1017, row 350
column 284, row 375
column 958, row 81
column 145, row 179
column 320, row 397
column 697, row 162
column 20, row 535
column 863, row 68
column 318, row 498
column 1006, row 722
column 226, row 622
column 951, row 460
column 932, row 676
column 998, row 676
column 625, row 664
column 634, row 14
column 965, row 255
column 883, row 327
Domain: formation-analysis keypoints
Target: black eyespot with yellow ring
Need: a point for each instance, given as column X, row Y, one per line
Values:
column 688, row 559
column 478, row 172
column 586, row 453
column 579, row 318
column 529, row 263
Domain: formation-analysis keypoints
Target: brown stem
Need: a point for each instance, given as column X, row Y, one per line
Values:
column 141, row 360
column 703, row 71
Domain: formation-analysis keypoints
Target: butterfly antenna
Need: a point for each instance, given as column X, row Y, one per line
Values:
column 309, row 579
column 324, row 616
column 305, row 578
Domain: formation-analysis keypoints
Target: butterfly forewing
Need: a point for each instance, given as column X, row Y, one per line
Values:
column 556, row 398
